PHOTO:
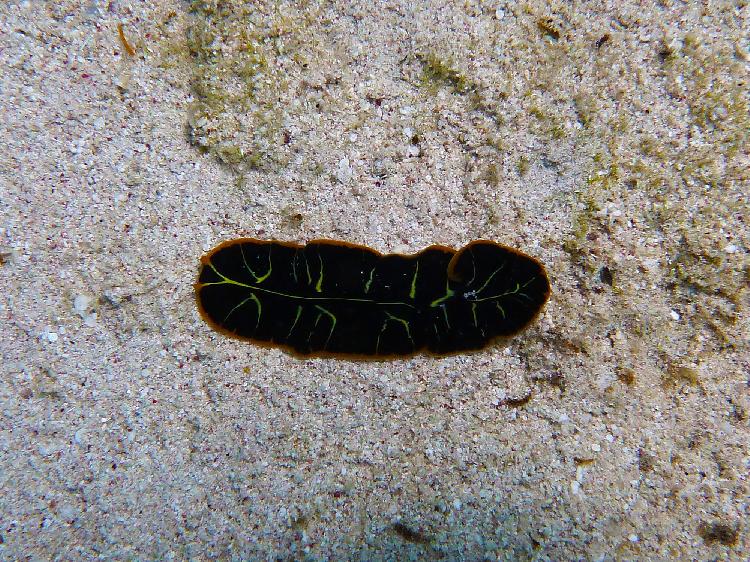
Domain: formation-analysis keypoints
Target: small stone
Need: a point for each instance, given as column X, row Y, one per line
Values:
column 52, row 337
column 575, row 487
column 81, row 304
column 596, row 447
column 730, row 249
column 633, row 538
column 48, row 450
column 344, row 171
column 651, row 264
column 675, row 315
column 79, row 437
column 67, row 512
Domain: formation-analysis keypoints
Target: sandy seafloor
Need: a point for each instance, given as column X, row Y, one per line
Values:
column 609, row 140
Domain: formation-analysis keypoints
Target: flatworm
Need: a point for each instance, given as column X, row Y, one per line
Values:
column 336, row 299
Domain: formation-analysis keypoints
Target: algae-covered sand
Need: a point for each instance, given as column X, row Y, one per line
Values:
column 609, row 140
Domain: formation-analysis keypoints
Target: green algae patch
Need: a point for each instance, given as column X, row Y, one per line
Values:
column 249, row 62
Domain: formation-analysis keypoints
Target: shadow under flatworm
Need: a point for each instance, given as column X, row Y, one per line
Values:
column 330, row 298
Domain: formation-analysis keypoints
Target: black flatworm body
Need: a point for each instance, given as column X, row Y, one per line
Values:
column 330, row 298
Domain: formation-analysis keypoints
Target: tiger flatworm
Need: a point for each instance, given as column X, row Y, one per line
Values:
column 336, row 299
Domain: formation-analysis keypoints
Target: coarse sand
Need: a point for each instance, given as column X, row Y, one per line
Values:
column 609, row 140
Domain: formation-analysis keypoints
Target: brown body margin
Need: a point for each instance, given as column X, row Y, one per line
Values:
column 206, row 258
